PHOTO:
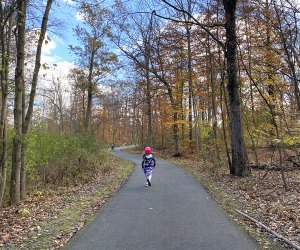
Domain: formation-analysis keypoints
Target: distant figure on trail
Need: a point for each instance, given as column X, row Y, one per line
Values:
column 112, row 147
column 148, row 165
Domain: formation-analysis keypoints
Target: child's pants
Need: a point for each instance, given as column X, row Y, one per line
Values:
column 148, row 173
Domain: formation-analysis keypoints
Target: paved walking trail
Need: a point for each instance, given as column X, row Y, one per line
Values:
column 174, row 213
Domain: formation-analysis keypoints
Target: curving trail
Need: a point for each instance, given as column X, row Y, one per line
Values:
column 174, row 213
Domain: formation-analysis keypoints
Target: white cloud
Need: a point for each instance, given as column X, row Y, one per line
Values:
column 56, row 70
column 52, row 75
column 53, row 50
column 79, row 16
column 64, row 67
column 69, row 1
column 48, row 46
column 51, row 59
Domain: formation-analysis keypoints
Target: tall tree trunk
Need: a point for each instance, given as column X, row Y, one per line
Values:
column 134, row 120
column 197, row 126
column 162, row 125
column 90, row 94
column 23, row 149
column 37, row 66
column 3, row 163
column 114, row 116
column 213, row 101
column 176, row 131
column 19, row 86
column 190, row 73
column 238, row 151
column 147, row 46
column 223, row 121
column 190, row 80
column 222, row 65
column 268, row 62
column 149, row 103
column 82, row 122
column 28, row 116
column 5, row 40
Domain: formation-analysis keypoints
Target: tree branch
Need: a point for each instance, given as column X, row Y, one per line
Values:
column 196, row 22
column 270, row 230
column 172, row 19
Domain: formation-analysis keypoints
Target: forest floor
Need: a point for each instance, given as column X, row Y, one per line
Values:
column 48, row 219
column 261, row 195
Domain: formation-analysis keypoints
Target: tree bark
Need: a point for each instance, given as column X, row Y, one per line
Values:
column 238, row 151
column 28, row 116
column 176, row 131
column 149, row 103
column 190, row 74
column 213, row 102
column 147, row 39
column 19, row 86
column 5, row 40
column 90, row 93
column 37, row 66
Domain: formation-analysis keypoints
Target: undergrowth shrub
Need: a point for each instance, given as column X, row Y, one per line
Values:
column 54, row 159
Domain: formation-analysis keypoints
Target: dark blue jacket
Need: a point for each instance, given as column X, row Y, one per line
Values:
column 148, row 162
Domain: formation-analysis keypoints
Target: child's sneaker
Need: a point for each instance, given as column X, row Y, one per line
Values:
column 149, row 183
column 146, row 184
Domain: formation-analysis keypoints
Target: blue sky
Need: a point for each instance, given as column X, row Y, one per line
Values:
column 56, row 53
column 57, row 50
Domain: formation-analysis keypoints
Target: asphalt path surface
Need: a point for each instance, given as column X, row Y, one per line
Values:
column 174, row 213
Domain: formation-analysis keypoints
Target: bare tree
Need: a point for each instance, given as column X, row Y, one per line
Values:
column 286, row 25
column 28, row 115
column 78, row 106
column 55, row 99
column 22, row 121
column 19, row 85
column 6, row 24
column 93, row 54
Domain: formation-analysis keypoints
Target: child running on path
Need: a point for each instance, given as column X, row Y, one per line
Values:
column 148, row 165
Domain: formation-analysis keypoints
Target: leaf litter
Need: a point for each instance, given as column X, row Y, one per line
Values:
column 37, row 218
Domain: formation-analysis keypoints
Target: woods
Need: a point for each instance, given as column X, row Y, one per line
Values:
column 213, row 81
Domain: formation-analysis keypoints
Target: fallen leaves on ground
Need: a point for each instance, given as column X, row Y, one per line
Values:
column 23, row 224
column 266, row 200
